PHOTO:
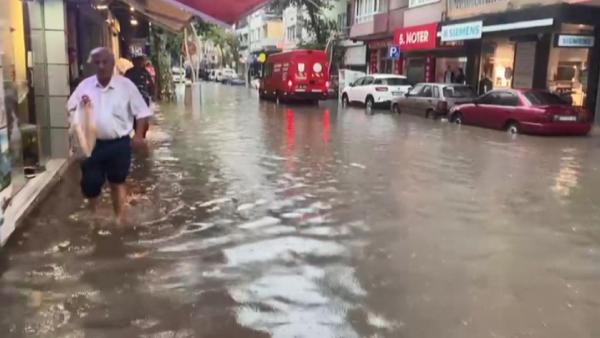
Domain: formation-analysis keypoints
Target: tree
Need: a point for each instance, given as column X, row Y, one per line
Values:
column 224, row 40
column 319, row 26
column 165, row 47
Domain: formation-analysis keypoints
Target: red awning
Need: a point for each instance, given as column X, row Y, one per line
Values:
column 222, row 11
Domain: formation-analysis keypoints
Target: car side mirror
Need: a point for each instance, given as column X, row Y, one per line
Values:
column 352, row 84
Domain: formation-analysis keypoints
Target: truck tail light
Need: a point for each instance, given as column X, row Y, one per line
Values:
column 381, row 89
column 290, row 83
column 327, row 84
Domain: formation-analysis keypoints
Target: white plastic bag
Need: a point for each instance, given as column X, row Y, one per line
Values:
column 83, row 130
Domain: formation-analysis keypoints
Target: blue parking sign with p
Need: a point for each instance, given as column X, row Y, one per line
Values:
column 394, row 52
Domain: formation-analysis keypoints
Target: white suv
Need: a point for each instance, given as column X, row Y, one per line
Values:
column 375, row 89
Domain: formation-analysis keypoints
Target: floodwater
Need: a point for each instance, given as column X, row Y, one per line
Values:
column 258, row 220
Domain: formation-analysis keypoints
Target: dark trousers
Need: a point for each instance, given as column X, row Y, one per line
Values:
column 110, row 161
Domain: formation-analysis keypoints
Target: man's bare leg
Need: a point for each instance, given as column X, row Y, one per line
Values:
column 118, row 193
column 92, row 205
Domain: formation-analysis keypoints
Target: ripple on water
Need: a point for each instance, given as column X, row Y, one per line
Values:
column 283, row 248
column 291, row 302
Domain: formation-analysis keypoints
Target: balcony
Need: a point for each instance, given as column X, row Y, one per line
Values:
column 379, row 24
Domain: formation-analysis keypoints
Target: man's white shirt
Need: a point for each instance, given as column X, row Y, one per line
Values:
column 115, row 106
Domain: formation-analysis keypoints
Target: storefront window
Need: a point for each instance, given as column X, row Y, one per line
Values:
column 446, row 69
column 568, row 67
column 415, row 70
column 497, row 62
column 386, row 64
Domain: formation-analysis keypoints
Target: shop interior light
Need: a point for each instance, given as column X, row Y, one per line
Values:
column 133, row 22
column 102, row 7
column 131, row 9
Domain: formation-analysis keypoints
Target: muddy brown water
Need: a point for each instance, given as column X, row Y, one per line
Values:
column 257, row 220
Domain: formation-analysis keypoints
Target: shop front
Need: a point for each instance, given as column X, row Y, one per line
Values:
column 427, row 60
column 379, row 59
column 547, row 47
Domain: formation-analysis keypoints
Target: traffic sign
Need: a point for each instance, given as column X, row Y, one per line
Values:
column 394, row 52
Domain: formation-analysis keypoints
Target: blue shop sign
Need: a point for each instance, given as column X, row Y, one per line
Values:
column 575, row 41
column 462, row 31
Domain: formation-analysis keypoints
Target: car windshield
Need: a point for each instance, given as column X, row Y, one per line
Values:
column 395, row 81
column 459, row 92
column 538, row 98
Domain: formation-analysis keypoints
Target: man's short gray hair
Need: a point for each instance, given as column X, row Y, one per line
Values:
column 100, row 50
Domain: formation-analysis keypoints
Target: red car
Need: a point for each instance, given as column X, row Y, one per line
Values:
column 527, row 111
column 296, row 75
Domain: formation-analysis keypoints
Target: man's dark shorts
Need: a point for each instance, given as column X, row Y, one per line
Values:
column 110, row 161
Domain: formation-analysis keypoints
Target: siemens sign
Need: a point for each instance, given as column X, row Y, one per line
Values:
column 462, row 31
column 574, row 41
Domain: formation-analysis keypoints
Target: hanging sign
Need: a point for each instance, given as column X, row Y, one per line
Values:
column 462, row 31
column 575, row 41
column 416, row 37
column 394, row 52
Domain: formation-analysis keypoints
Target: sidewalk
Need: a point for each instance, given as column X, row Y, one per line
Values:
column 34, row 191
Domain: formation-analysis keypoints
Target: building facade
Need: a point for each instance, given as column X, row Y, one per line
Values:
column 510, row 44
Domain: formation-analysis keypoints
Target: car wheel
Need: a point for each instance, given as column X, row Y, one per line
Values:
column 457, row 118
column 345, row 100
column 395, row 108
column 369, row 103
column 513, row 128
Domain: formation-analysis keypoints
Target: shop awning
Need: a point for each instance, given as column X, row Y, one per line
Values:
column 164, row 13
column 221, row 11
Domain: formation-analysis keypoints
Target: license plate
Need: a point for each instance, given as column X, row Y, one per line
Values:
column 316, row 90
column 302, row 90
column 397, row 93
column 567, row 118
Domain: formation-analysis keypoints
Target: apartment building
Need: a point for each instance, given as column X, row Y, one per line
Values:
column 265, row 30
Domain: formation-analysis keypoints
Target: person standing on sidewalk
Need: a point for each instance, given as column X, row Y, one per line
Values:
column 116, row 103
column 142, row 80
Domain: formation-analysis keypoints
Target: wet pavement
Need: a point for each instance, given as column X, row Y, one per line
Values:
column 258, row 220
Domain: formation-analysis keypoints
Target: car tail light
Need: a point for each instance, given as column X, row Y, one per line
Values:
column 381, row 89
column 442, row 107
column 290, row 83
column 327, row 84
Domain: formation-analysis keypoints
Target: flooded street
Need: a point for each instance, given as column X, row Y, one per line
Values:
column 258, row 220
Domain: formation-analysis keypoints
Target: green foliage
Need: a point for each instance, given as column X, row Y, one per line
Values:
column 224, row 40
column 165, row 46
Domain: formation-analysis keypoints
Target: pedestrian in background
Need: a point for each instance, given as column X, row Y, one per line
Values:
column 460, row 77
column 116, row 103
column 449, row 75
column 139, row 75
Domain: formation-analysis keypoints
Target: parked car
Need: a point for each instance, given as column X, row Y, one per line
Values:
column 225, row 74
column 523, row 111
column 432, row 99
column 296, row 75
column 236, row 81
column 375, row 89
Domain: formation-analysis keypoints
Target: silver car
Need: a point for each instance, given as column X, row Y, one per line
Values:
column 433, row 99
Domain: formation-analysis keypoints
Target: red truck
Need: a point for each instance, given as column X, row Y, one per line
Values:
column 299, row 75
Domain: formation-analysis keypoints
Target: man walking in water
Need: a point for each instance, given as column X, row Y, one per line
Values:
column 116, row 103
